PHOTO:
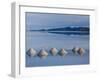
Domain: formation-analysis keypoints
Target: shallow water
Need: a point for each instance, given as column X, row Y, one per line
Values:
column 45, row 40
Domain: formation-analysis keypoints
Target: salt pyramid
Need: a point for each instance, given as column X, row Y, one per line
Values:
column 43, row 53
column 53, row 51
column 31, row 52
column 75, row 49
column 81, row 51
column 63, row 52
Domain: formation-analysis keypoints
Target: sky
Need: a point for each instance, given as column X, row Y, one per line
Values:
column 36, row 21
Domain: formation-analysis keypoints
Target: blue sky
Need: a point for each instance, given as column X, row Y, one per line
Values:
column 46, row 20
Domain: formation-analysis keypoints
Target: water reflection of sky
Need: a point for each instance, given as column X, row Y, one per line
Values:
column 48, row 20
column 47, row 40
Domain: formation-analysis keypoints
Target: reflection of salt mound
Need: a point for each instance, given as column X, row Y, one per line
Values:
column 43, row 53
column 81, row 51
column 31, row 52
column 63, row 52
column 53, row 51
column 75, row 49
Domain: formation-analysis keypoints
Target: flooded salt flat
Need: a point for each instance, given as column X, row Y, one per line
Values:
column 45, row 40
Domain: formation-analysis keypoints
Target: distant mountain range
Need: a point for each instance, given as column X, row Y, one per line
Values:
column 66, row 29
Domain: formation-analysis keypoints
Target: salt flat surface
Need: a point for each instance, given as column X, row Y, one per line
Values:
column 44, row 40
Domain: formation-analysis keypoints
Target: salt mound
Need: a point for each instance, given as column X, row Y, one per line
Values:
column 53, row 51
column 81, row 51
column 63, row 52
column 43, row 53
column 31, row 52
column 75, row 49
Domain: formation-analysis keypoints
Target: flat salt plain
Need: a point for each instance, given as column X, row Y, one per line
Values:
column 47, row 40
